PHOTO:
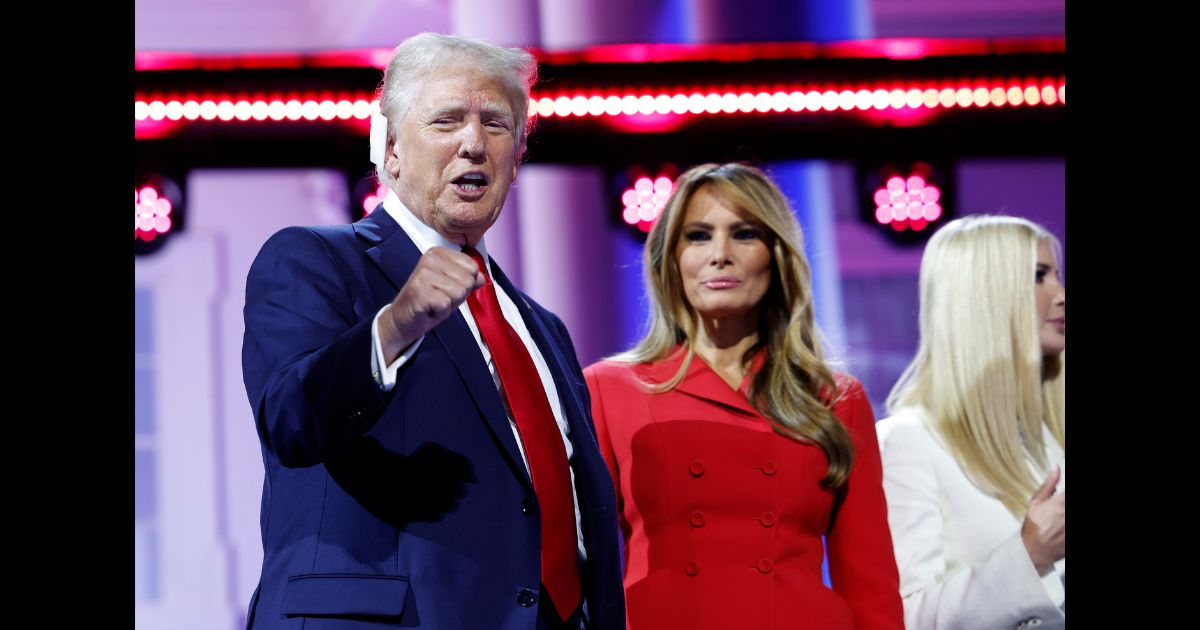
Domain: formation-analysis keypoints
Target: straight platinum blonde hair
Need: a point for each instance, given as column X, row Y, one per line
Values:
column 425, row 54
column 795, row 389
column 979, row 371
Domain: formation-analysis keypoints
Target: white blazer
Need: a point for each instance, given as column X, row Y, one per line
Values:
column 962, row 564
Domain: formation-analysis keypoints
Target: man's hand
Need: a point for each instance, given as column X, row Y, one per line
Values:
column 441, row 282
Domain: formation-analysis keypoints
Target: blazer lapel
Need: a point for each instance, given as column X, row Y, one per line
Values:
column 394, row 253
column 702, row 382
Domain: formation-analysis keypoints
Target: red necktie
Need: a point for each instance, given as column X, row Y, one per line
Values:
column 543, row 443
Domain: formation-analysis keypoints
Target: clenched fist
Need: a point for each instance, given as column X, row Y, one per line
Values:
column 441, row 281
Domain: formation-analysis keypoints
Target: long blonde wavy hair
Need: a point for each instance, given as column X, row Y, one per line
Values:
column 979, row 371
column 795, row 389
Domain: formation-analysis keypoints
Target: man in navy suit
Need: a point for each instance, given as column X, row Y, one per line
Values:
column 430, row 458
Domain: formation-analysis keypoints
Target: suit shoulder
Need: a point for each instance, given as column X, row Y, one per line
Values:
column 609, row 371
column 298, row 239
column 906, row 427
column 848, row 386
column 851, row 401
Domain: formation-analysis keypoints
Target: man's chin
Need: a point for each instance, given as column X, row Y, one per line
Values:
column 469, row 219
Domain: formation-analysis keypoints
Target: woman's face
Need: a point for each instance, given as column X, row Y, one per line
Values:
column 724, row 262
column 1051, row 303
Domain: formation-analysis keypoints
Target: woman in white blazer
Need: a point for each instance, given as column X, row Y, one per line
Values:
column 973, row 453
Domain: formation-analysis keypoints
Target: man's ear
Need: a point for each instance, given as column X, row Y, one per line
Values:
column 391, row 155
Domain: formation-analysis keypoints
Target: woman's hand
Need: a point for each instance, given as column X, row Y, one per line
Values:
column 1044, row 529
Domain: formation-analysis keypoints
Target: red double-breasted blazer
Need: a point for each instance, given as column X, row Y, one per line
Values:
column 723, row 518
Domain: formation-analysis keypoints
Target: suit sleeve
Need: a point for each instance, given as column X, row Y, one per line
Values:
column 306, row 357
column 1001, row 590
column 862, row 567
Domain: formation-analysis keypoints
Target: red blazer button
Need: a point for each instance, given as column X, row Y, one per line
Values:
column 765, row 566
column 696, row 468
column 691, row 568
column 697, row 519
column 769, row 467
column 767, row 519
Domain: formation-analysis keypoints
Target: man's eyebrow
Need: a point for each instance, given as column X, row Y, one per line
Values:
column 448, row 108
column 497, row 109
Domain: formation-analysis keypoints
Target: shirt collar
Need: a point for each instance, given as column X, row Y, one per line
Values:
column 423, row 236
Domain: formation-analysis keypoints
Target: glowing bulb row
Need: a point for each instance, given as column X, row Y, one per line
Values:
column 1011, row 94
column 257, row 110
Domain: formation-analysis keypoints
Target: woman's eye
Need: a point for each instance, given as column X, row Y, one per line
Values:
column 696, row 236
column 1040, row 275
column 745, row 234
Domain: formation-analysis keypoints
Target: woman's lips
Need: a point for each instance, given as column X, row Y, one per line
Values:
column 721, row 282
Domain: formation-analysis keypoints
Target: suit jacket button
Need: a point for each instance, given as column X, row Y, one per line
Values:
column 765, row 566
column 528, row 507
column 696, row 468
column 697, row 519
column 526, row 598
column 691, row 568
column 769, row 467
column 767, row 519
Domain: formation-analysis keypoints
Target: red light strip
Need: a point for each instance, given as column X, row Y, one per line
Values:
column 895, row 48
column 230, row 108
column 946, row 95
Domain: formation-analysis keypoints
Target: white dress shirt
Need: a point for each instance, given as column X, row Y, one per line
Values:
column 426, row 238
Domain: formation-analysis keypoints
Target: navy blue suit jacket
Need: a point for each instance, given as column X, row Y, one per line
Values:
column 410, row 508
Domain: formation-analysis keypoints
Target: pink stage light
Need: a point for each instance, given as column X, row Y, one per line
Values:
column 907, row 202
column 151, row 213
column 645, row 201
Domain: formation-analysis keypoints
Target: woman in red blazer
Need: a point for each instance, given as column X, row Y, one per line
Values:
column 733, row 447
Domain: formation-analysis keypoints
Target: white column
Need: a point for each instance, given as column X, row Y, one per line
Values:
column 504, row 22
column 570, row 25
column 209, row 462
column 567, row 252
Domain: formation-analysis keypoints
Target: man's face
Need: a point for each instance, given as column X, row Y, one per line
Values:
column 455, row 153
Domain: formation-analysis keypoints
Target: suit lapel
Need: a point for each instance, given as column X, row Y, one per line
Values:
column 593, row 485
column 582, row 435
column 394, row 253
column 572, row 406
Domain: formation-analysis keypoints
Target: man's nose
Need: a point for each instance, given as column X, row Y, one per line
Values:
column 471, row 142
